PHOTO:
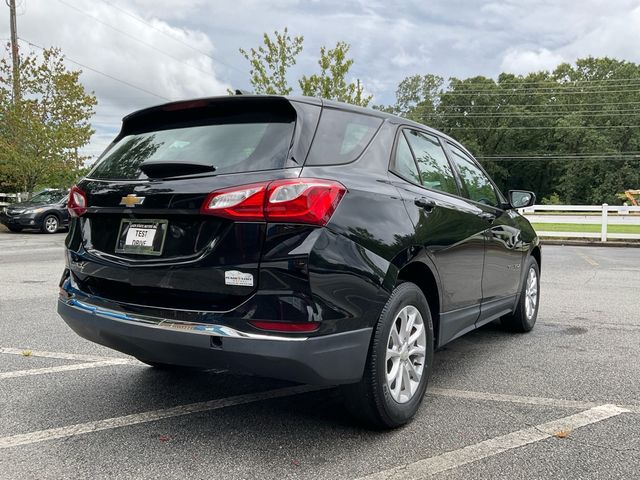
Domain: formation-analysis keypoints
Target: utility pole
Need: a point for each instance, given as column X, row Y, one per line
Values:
column 14, row 50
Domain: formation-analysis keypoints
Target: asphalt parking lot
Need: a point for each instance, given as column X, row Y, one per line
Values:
column 560, row 402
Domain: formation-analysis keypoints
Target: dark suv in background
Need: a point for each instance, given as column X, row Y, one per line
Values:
column 298, row 239
column 46, row 211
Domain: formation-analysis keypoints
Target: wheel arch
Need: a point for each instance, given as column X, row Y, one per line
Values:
column 425, row 277
column 52, row 212
column 537, row 254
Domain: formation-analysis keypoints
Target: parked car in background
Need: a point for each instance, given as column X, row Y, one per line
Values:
column 46, row 211
column 295, row 238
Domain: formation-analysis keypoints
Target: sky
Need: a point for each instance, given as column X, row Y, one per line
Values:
column 137, row 53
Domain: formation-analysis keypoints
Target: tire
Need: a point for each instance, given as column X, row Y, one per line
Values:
column 50, row 224
column 376, row 401
column 14, row 229
column 524, row 317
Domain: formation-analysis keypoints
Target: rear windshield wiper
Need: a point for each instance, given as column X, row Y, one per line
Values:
column 162, row 169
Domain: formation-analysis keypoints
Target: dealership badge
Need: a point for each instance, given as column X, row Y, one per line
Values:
column 234, row 277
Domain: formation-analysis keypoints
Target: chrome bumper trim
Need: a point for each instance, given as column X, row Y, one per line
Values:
column 175, row 325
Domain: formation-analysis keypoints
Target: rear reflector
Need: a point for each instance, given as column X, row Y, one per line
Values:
column 285, row 326
column 77, row 202
column 300, row 200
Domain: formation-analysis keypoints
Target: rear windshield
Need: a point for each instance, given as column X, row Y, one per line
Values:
column 231, row 145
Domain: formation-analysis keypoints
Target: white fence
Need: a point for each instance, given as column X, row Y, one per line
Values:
column 9, row 198
column 603, row 215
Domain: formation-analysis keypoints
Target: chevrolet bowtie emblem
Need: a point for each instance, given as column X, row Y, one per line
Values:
column 131, row 200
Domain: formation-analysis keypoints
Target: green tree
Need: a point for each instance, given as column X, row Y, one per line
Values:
column 417, row 97
column 331, row 82
column 569, row 131
column 271, row 62
column 42, row 131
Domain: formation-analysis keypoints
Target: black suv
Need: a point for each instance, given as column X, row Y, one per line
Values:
column 295, row 238
column 46, row 211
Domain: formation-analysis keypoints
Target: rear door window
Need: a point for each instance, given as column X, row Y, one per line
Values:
column 478, row 186
column 341, row 137
column 435, row 170
column 231, row 145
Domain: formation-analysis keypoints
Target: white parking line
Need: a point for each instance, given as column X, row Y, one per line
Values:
column 151, row 416
column 63, row 356
column 494, row 446
column 63, row 368
column 500, row 397
column 14, row 251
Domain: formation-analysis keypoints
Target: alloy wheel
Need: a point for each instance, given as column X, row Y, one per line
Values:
column 531, row 293
column 51, row 224
column 406, row 348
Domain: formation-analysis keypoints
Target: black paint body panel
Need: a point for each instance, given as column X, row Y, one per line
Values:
column 340, row 275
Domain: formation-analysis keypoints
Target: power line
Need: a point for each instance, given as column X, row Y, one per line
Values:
column 149, row 45
column 559, row 87
column 563, row 159
column 553, row 105
column 550, row 127
column 469, row 92
column 142, row 89
column 196, row 49
column 562, row 156
column 561, row 81
column 593, row 113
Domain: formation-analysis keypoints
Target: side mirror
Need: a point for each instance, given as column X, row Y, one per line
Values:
column 521, row 198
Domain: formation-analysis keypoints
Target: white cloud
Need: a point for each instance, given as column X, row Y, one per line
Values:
column 138, row 54
column 618, row 36
column 390, row 39
column 521, row 62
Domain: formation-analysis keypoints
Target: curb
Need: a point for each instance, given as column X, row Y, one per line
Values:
column 587, row 243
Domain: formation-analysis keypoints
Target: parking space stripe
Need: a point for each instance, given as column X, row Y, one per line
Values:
column 15, row 251
column 497, row 445
column 61, row 355
column 589, row 260
column 62, row 368
column 499, row 397
column 151, row 416
column 632, row 408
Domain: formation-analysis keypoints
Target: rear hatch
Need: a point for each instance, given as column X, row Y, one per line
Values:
column 144, row 239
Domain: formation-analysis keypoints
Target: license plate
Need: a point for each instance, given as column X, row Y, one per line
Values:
column 141, row 237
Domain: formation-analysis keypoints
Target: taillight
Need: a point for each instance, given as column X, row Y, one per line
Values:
column 77, row 202
column 303, row 200
column 300, row 200
column 240, row 203
column 286, row 326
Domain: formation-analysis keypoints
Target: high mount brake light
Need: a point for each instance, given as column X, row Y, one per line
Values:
column 300, row 200
column 77, row 202
column 185, row 105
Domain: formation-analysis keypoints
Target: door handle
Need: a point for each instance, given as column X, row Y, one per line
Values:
column 425, row 203
column 487, row 216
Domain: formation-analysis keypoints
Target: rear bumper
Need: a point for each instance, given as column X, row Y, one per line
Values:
column 323, row 360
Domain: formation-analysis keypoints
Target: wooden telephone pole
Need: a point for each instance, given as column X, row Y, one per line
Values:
column 14, row 50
